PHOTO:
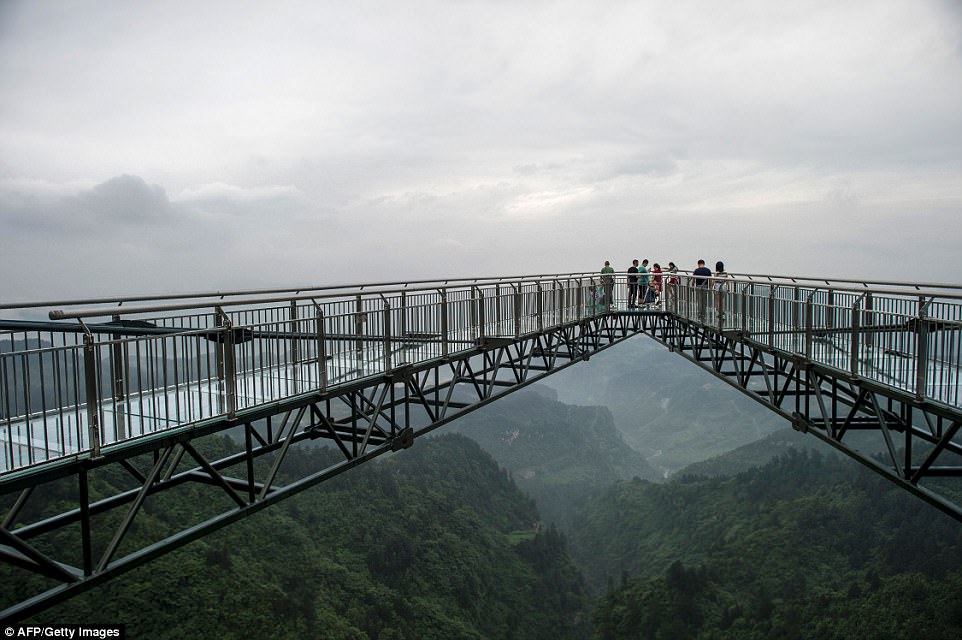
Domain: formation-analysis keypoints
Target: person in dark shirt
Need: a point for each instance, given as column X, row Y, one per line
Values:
column 701, row 270
column 701, row 285
column 632, row 283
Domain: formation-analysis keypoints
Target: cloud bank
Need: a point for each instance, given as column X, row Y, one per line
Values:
column 263, row 145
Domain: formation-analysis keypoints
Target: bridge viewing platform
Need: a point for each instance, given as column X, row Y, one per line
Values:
column 136, row 382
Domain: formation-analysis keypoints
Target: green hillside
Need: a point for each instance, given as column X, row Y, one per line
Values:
column 760, row 452
column 807, row 546
column 436, row 542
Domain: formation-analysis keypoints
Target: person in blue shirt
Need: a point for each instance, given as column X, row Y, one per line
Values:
column 701, row 284
column 701, row 270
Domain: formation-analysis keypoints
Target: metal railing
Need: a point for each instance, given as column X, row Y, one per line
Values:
column 108, row 374
column 74, row 388
column 909, row 341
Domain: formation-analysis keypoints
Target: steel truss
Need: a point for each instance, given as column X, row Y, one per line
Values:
column 362, row 420
column 920, row 437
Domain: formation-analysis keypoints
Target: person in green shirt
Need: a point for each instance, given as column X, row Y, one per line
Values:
column 643, row 280
column 608, row 282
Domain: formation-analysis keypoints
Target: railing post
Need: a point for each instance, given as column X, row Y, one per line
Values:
column 116, row 352
column 497, row 308
column 386, row 311
column 472, row 307
column 830, row 311
column 230, row 374
column 560, row 301
column 117, row 357
column 675, row 289
column 922, row 350
column 517, row 309
column 746, row 298
column 444, row 322
column 403, row 330
column 797, row 306
column 481, row 331
column 93, row 397
column 579, row 300
column 295, row 346
column 321, row 348
column 869, row 320
column 856, row 335
column 359, row 319
column 771, row 315
column 720, row 300
column 809, row 320
column 540, row 309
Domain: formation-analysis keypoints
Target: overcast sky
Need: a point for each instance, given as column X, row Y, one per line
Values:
column 171, row 146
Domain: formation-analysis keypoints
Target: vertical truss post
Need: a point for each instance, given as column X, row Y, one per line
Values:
column 444, row 323
column 230, row 373
column 295, row 355
column 922, row 350
column 321, row 338
column 92, row 395
column 84, row 499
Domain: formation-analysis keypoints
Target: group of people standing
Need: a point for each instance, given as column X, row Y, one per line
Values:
column 645, row 286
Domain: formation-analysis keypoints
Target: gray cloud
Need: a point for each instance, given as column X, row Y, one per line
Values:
column 343, row 141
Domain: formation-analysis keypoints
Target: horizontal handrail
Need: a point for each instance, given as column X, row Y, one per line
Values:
column 373, row 290
column 120, row 300
column 222, row 295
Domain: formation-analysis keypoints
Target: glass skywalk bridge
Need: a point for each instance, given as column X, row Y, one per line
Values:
column 116, row 373
column 135, row 383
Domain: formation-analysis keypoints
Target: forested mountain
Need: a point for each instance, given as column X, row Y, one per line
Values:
column 760, row 452
column 439, row 542
column 557, row 453
column 667, row 408
column 436, row 542
column 808, row 546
